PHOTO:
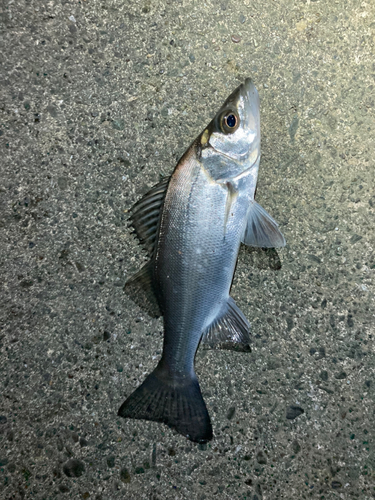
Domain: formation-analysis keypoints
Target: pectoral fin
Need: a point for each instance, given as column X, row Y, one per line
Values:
column 229, row 330
column 261, row 229
column 141, row 290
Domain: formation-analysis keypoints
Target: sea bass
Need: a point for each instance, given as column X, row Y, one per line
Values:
column 192, row 225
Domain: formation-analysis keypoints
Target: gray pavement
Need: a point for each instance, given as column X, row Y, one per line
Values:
column 99, row 98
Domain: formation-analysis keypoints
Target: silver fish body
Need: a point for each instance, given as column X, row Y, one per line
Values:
column 193, row 225
column 195, row 262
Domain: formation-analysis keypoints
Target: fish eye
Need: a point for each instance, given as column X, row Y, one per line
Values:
column 230, row 122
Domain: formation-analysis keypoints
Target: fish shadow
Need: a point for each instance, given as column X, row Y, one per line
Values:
column 262, row 258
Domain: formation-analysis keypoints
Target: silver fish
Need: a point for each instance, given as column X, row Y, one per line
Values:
column 192, row 225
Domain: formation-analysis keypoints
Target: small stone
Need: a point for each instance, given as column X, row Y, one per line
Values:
column 118, row 124
column 3, row 419
column 12, row 468
column 125, row 475
column 74, row 468
column 242, row 18
column 289, row 323
column 83, row 442
column 62, row 182
column 80, row 267
column 52, row 110
column 111, row 461
column 336, row 484
column 314, row 258
column 292, row 133
column 355, row 238
column 296, row 447
column 340, row 375
column 321, row 353
column 235, row 38
column 294, row 412
column 75, row 437
column 261, row 458
column 231, row 412
column 332, row 321
column 350, row 320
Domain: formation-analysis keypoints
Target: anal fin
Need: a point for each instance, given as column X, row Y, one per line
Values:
column 229, row 330
column 141, row 290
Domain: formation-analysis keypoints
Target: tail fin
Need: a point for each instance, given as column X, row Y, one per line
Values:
column 175, row 402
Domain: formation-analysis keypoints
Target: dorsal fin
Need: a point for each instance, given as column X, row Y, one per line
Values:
column 145, row 214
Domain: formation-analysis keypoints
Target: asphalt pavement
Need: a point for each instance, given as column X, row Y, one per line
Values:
column 98, row 100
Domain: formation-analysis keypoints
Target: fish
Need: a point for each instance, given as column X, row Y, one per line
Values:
column 192, row 225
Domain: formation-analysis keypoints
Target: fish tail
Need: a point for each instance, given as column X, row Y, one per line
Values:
column 176, row 402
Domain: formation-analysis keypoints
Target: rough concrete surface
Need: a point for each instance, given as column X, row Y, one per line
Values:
column 99, row 98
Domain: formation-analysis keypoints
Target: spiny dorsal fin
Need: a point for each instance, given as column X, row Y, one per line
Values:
column 229, row 330
column 141, row 290
column 261, row 229
column 145, row 214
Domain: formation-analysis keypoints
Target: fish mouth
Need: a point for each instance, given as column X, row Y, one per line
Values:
column 248, row 86
column 250, row 103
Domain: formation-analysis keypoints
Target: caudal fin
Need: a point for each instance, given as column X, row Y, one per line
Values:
column 175, row 402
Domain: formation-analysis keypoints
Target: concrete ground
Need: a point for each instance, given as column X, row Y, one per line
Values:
column 99, row 98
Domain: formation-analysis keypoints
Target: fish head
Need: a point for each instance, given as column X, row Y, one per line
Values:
column 230, row 144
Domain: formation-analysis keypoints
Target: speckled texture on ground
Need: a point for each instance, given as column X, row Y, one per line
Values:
column 98, row 100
